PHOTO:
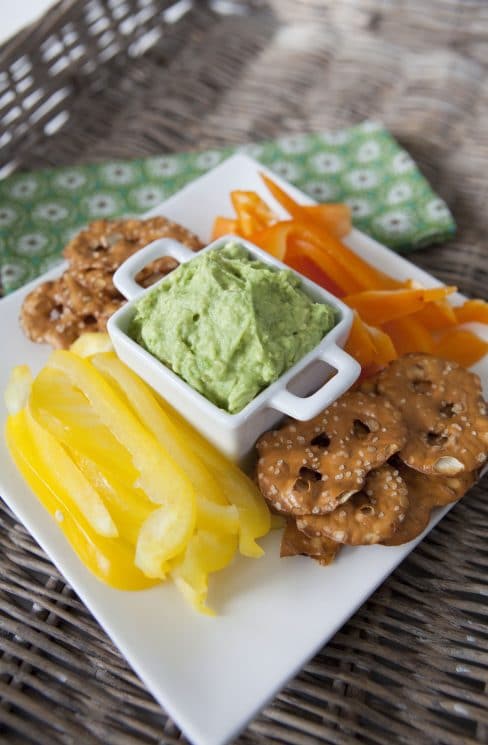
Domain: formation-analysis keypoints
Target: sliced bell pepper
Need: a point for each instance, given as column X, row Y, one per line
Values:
column 223, row 226
column 274, row 239
column 359, row 343
column 377, row 307
column 254, row 515
column 296, row 259
column 76, row 488
column 385, row 350
column 213, row 509
column 461, row 346
column 360, row 274
column 437, row 315
column 109, row 559
column 159, row 476
column 253, row 214
column 335, row 218
column 326, row 262
column 409, row 335
column 472, row 311
column 206, row 552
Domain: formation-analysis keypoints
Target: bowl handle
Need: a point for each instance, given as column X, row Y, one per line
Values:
column 124, row 277
column 348, row 370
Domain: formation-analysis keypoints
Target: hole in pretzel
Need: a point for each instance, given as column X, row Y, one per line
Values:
column 360, row 429
column 306, row 477
column 367, row 509
column 436, row 438
column 321, row 441
column 448, row 409
column 421, row 386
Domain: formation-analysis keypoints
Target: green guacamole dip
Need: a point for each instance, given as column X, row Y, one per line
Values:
column 229, row 325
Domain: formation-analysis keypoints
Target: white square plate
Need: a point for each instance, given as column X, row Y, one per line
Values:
column 213, row 674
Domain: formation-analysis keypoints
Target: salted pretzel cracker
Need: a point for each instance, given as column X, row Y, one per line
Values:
column 371, row 515
column 425, row 493
column 106, row 244
column 296, row 543
column 309, row 468
column 84, row 297
column 443, row 408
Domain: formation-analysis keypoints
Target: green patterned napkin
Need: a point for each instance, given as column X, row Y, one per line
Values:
column 363, row 166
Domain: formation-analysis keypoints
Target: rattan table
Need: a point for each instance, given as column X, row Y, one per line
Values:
column 133, row 78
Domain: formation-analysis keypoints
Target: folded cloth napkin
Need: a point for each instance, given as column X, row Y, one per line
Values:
column 363, row 166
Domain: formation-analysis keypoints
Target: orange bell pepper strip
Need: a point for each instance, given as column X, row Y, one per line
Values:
column 335, row 218
column 385, row 350
column 409, row 335
column 287, row 236
column 359, row 343
column 274, row 239
column 364, row 275
column 472, row 311
column 252, row 212
column 437, row 315
column 327, row 262
column 461, row 346
column 296, row 259
column 223, row 226
column 370, row 346
column 377, row 307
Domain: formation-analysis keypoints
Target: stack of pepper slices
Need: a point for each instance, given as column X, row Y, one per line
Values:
column 391, row 318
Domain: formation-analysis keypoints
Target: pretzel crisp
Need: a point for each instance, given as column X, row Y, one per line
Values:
column 296, row 543
column 309, row 468
column 84, row 297
column 370, row 516
column 424, row 494
column 443, row 408
column 106, row 244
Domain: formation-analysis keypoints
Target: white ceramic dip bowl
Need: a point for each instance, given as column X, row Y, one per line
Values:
column 236, row 434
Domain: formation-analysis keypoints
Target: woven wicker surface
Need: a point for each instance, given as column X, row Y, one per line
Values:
column 412, row 664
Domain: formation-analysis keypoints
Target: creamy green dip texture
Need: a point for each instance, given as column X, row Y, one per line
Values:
column 229, row 325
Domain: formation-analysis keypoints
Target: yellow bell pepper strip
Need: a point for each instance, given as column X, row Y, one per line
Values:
column 472, row 311
column 90, row 343
column 461, row 346
column 224, row 226
column 129, row 506
column 212, row 505
column 377, row 307
column 408, row 335
column 254, row 516
column 109, row 559
column 18, row 389
column 206, row 552
column 67, row 414
column 159, row 476
column 335, row 218
column 359, row 343
column 252, row 212
column 60, row 467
